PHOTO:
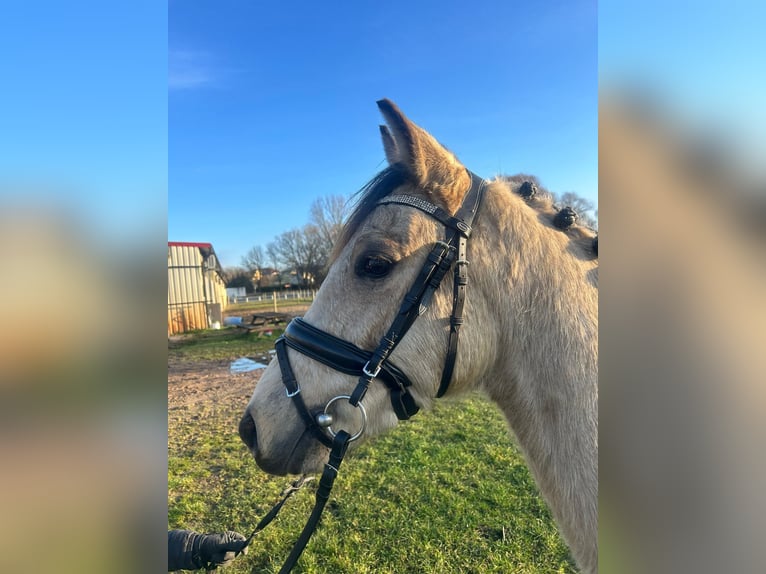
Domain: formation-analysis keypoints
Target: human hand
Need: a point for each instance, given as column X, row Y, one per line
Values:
column 220, row 549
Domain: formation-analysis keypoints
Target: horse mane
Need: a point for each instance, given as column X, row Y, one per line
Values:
column 561, row 217
column 525, row 185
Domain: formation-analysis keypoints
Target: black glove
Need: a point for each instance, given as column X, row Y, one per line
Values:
column 220, row 549
column 189, row 550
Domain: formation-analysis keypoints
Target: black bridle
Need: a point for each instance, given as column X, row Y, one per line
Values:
column 345, row 357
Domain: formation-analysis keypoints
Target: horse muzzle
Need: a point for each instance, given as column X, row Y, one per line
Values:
column 296, row 455
column 290, row 454
column 247, row 431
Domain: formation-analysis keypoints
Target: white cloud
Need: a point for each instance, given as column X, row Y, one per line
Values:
column 189, row 70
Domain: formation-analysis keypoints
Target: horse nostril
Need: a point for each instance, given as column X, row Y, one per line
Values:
column 247, row 430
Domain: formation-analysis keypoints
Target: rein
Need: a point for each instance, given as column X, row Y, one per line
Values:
column 345, row 357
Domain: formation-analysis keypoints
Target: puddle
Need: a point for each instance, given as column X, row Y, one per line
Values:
column 245, row 365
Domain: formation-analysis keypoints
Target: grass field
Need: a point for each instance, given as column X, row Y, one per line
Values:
column 446, row 492
column 222, row 344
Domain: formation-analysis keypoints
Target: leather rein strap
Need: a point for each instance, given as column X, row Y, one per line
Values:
column 346, row 357
column 330, row 473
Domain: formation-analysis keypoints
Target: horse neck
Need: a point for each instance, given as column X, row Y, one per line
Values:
column 542, row 291
column 544, row 377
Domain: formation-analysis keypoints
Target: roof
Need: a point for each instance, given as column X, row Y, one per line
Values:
column 189, row 244
column 205, row 248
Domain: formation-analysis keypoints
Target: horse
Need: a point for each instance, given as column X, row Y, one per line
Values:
column 527, row 320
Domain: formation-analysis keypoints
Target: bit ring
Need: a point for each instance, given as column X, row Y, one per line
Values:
column 361, row 410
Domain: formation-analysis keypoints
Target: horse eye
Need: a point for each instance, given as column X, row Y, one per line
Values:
column 373, row 266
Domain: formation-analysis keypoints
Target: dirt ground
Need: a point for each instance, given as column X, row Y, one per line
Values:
column 192, row 383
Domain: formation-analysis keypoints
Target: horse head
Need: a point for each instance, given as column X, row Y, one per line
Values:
column 382, row 251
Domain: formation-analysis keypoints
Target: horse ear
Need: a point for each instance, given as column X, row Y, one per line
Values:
column 429, row 164
column 389, row 145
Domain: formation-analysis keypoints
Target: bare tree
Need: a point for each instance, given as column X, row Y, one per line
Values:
column 305, row 250
column 327, row 215
column 584, row 208
column 253, row 260
column 317, row 251
column 273, row 254
column 301, row 250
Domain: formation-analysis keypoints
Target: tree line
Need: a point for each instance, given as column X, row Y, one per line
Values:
column 300, row 256
column 303, row 252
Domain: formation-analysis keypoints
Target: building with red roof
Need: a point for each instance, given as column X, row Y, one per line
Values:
column 196, row 287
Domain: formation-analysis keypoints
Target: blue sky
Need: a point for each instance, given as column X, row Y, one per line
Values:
column 704, row 61
column 272, row 105
column 229, row 118
column 83, row 111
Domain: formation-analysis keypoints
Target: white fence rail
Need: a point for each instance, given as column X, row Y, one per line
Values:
column 275, row 296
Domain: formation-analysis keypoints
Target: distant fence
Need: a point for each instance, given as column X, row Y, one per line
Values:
column 275, row 295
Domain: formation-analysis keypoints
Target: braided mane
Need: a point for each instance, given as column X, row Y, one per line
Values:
column 562, row 217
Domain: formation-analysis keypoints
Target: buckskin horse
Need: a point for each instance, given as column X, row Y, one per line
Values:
column 381, row 339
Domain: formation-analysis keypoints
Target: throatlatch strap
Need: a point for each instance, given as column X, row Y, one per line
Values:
column 456, row 320
column 467, row 212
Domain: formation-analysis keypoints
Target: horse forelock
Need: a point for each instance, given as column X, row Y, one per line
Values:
column 365, row 201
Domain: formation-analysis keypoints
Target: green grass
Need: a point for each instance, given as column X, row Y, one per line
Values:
column 447, row 492
column 222, row 344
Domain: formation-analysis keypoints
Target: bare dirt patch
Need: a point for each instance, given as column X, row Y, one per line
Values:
column 192, row 384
